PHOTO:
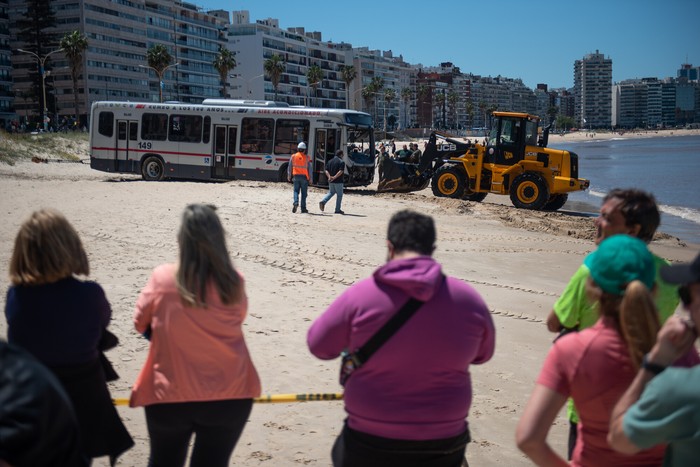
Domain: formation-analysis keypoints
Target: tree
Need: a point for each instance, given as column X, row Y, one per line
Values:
column 389, row 96
column 73, row 45
column 440, row 101
column 159, row 59
column 33, row 29
column 552, row 112
column 314, row 75
column 224, row 62
column 349, row 74
column 452, row 100
column 406, row 95
column 375, row 86
column 423, row 93
column 470, row 114
column 274, row 68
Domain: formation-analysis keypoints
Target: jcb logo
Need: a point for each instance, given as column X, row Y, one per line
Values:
column 507, row 155
column 446, row 147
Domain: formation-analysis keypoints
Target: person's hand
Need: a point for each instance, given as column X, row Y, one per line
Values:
column 674, row 339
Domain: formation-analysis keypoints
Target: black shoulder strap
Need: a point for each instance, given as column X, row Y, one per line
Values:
column 388, row 330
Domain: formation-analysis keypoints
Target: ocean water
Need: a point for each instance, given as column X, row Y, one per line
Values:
column 667, row 167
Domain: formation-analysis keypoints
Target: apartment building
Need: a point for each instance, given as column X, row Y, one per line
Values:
column 655, row 103
column 593, row 91
column 254, row 43
column 6, row 96
column 115, row 65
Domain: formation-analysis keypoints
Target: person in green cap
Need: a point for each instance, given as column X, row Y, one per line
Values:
column 624, row 211
column 595, row 366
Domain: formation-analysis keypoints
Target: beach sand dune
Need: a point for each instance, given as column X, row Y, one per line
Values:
column 294, row 266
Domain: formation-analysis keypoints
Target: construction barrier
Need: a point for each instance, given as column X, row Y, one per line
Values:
column 277, row 398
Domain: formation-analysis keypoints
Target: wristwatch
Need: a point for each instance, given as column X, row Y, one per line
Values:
column 651, row 367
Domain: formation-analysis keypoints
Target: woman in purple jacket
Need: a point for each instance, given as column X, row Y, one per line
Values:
column 408, row 404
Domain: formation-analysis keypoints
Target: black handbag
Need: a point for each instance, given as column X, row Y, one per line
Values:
column 351, row 361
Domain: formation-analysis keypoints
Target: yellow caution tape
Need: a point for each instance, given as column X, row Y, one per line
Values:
column 277, row 398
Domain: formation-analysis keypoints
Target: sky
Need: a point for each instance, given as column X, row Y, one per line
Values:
column 536, row 41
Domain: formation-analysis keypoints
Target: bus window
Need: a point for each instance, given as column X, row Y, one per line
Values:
column 289, row 133
column 256, row 135
column 185, row 128
column 105, row 125
column 207, row 130
column 154, row 127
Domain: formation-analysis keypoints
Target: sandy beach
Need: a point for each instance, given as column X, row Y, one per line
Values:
column 518, row 260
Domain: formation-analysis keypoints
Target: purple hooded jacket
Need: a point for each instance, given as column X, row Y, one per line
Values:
column 417, row 385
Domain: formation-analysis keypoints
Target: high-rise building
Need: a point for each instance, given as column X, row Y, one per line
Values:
column 593, row 91
column 115, row 66
column 6, row 100
column 254, row 43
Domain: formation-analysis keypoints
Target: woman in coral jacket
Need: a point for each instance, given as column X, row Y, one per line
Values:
column 198, row 378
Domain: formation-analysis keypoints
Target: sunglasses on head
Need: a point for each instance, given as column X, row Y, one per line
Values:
column 684, row 293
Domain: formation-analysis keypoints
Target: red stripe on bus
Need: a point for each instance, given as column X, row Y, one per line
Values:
column 174, row 153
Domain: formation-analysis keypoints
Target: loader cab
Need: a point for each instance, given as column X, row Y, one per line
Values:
column 510, row 133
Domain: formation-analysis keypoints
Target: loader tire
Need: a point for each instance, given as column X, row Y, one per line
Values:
column 529, row 191
column 474, row 196
column 449, row 182
column 556, row 202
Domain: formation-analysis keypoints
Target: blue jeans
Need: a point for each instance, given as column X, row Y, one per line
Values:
column 334, row 189
column 300, row 184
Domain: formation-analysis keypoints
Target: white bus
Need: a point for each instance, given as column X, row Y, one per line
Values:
column 224, row 139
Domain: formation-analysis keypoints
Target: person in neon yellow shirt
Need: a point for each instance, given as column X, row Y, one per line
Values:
column 624, row 211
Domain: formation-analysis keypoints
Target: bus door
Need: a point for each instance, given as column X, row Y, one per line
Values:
column 127, row 144
column 326, row 142
column 224, row 151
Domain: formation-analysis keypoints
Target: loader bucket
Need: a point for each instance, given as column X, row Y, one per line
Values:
column 400, row 176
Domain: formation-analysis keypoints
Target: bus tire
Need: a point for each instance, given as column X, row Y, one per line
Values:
column 152, row 169
column 282, row 174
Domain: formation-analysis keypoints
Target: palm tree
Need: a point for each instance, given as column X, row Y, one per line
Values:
column 440, row 101
column 452, row 99
column 406, row 95
column 376, row 85
column 389, row 96
column 470, row 113
column 349, row 74
column 274, row 68
column 159, row 59
column 224, row 62
column 314, row 75
column 73, row 45
column 423, row 92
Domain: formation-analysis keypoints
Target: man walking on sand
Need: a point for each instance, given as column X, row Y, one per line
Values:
column 661, row 405
column 335, row 169
column 624, row 211
column 408, row 402
column 298, row 173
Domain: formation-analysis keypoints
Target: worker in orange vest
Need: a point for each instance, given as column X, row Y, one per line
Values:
column 298, row 172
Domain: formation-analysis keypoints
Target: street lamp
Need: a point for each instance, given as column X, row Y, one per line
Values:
column 44, row 74
column 160, row 74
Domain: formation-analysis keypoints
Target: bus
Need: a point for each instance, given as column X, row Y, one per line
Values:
column 227, row 139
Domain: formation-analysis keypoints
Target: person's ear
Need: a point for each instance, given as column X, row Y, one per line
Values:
column 390, row 248
column 634, row 229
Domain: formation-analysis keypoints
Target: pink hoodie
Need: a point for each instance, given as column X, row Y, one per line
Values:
column 417, row 385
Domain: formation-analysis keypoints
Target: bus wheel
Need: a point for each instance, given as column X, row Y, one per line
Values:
column 282, row 174
column 152, row 169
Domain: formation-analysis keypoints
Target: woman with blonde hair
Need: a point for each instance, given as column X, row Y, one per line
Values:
column 198, row 378
column 595, row 366
column 61, row 320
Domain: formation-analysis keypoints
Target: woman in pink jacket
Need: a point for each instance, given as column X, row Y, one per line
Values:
column 198, row 378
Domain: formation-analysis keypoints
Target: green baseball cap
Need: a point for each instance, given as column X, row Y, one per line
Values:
column 619, row 260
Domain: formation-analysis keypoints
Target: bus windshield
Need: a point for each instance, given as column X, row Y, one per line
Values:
column 358, row 119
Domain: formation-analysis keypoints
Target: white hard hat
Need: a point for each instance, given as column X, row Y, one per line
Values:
column 302, row 145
